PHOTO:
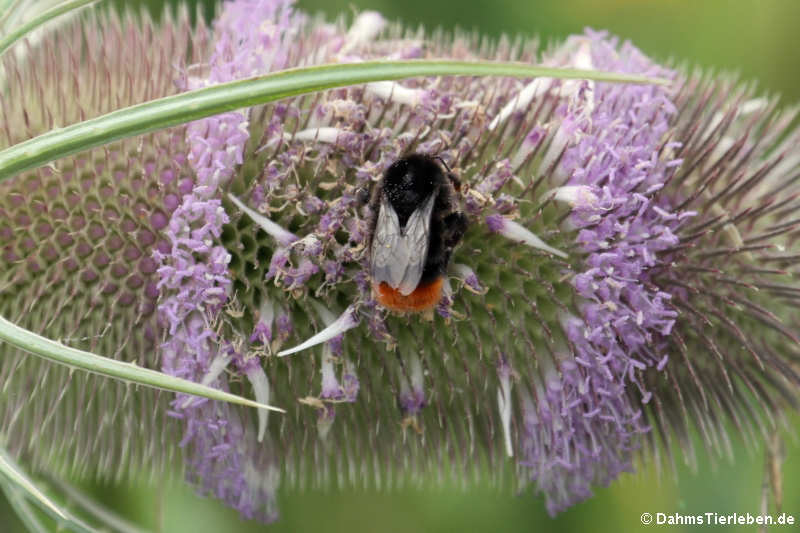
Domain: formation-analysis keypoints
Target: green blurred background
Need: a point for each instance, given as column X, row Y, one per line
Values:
column 757, row 38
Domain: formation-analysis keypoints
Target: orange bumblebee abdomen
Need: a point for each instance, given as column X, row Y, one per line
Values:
column 424, row 297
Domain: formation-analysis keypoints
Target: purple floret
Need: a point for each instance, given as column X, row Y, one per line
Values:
column 580, row 430
column 223, row 455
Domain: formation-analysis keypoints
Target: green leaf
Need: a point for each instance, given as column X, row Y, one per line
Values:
column 17, row 33
column 207, row 101
column 72, row 357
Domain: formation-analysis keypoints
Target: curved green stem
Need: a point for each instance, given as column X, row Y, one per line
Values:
column 96, row 364
column 56, row 11
column 201, row 103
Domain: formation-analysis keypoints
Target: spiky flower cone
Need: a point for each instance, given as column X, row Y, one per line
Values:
column 627, row 273
column 77, row 240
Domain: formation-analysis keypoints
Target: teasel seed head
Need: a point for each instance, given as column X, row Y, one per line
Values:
column 79, row 238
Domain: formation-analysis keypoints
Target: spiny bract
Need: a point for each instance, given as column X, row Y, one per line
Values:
column 655, row 292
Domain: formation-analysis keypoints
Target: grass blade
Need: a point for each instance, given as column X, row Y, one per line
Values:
column 96, row 364
column 200, row 103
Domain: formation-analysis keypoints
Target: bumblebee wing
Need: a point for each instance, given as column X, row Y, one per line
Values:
column 398, row 257
column 384, row 243
column 415, row 240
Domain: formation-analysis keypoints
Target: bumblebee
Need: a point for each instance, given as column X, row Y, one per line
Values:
column 416, row 222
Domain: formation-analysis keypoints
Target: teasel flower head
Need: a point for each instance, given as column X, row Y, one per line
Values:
column 628, row 273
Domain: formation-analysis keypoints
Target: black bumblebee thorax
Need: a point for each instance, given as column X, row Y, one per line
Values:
column 408, row 182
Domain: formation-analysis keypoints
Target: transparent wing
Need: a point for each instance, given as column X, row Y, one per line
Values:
column 398, row 257
column 384, row 243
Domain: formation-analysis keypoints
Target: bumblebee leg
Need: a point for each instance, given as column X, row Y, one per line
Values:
column 455, row 226
column 454, row 181
column 363, row 195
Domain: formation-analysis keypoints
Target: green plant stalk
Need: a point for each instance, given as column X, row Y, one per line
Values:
column 19, row 489
column 24, row 511
column 15, row 475
column 200, row 103
column 100, row 514
column 6, row 8
column 61, row 9
column 96, row 364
